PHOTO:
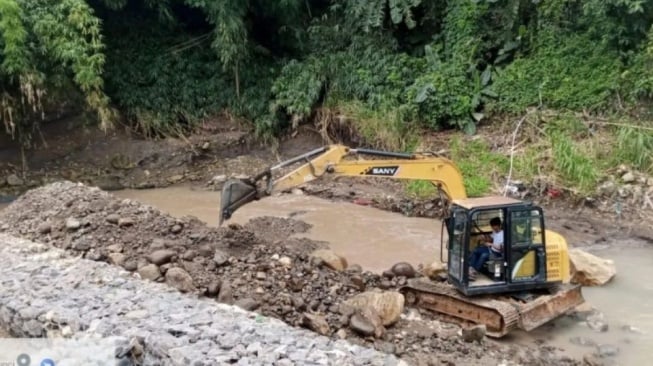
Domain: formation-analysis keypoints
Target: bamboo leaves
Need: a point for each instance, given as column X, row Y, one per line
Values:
column 13, row 33
column 45, row 43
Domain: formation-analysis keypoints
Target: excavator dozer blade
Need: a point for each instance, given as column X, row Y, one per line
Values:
column 235, row 193
column 563, row 298
column 501, row 314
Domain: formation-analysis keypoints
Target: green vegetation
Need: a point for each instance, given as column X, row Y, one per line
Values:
column 478, row 165
column 563, row 150
column 376, row 71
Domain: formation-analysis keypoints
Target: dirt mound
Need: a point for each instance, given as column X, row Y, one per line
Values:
column 78, row 217
column 275, row 228
column 255, row 266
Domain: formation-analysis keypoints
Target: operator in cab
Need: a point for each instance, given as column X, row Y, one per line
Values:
column 492, row 246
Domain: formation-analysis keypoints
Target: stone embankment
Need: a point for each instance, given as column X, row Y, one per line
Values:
column 45, row 292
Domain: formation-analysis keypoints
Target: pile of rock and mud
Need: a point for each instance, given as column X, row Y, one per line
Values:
column 256, row 267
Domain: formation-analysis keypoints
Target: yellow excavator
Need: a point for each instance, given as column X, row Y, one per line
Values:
column 524, row 288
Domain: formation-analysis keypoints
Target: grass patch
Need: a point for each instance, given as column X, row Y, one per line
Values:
column 390, row 128
column 634, row 146
column 555, row 149
column 578, row 153
column 574, row 157
column 561, row 150
column 479, row 166
column 577, row 169
column 421, row 189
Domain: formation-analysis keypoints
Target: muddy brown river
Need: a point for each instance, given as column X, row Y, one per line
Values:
column 377, row 239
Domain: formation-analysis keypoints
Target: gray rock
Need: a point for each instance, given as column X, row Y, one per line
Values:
column 44, row 228
column 404, row 269
column 115, row 248
column 112, row 218
column 33, row 328
column 316, row 323
column 214, row 288
column 109, row 183
column 628, row 177
column 82, row 244
column 386, row 347
column 157, row 244
column 226, row 294
column 474, row 333
column 247, row 303
column 189, row 255
column 358, row 282
column 161, row 256
column 14, row 180
column 220, row 258
column 355, row 268
column 125, row 221
column 73, row 224
column 130, row 265
column 117, row 258
column 179, row 279
column 607, row 350
column 206, row 250
column 149, row 272
column 362, row 326
column 176, row 229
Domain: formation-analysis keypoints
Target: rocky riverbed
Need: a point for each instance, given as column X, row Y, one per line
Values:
column 46, row 292
column 255, row 267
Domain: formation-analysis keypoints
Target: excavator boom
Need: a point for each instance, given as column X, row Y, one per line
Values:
column 339, row 160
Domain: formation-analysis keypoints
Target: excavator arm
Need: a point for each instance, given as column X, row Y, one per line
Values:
column 340, row 160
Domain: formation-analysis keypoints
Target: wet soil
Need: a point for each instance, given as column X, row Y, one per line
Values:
column 240, row 265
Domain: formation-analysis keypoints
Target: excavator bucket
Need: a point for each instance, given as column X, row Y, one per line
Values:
column 235, row 193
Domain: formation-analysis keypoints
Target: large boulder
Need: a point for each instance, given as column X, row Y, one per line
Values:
column 387, row 304
column 590, row 270
column 434, row 269
column 330, row 259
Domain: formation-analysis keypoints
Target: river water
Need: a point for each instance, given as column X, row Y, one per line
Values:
column 377, row 239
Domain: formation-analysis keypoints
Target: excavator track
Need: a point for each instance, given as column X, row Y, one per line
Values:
column 500, row 318
column 500, row 315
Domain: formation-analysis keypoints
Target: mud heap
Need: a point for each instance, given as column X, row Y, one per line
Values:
column 257, row 267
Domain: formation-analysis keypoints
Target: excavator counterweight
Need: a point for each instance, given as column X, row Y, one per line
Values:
column 525, row 287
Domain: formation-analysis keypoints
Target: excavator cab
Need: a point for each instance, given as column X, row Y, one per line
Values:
column 523, row 263
column 525, row 288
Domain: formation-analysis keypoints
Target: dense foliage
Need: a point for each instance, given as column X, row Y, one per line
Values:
column 409, row 63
